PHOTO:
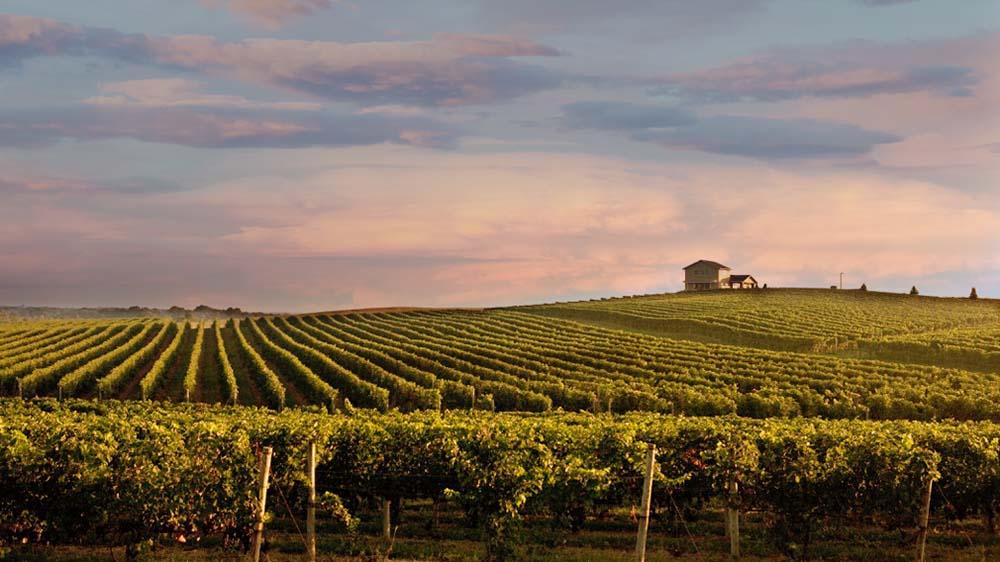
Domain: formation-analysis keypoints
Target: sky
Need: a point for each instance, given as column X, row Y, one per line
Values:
column 303, row 155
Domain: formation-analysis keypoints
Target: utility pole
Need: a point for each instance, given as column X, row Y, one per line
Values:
column 841, row 279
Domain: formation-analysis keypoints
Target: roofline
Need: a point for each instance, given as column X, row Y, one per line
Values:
column 710, row 261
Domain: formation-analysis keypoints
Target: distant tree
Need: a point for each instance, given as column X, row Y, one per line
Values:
column 973, row 294
column 864, row 287
column 765, row 286
column 914, row 291
column 834, row 287
column 203, row 308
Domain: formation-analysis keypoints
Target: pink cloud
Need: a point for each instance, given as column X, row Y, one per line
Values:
column 849, row 70
column 366, row 227
column 216, row 127
column 271, row 13
column 448, row 69
column 181, row 92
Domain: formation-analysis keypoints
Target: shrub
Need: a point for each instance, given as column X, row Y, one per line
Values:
column 914, row 291
column 973, row 294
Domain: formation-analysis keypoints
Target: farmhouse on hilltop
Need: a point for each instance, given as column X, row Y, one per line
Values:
column 703, row 275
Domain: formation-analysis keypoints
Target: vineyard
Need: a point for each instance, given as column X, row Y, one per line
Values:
column 189, row 471
column 500, row 360
column 810, row 316
column 517, row 422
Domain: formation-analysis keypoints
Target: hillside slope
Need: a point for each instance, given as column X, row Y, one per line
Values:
column 947, row 332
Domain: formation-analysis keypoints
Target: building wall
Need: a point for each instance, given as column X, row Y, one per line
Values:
column 747, row 284
column 704, row 273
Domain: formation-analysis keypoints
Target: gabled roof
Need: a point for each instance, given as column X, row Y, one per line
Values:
column 714, row 264
column 740, row 278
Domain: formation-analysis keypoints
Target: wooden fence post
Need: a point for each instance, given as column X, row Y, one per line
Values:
column 925, row 515
column 264, row 475
column 386, row 518
column 733, row 519
column 647, row 493
column 311, row 508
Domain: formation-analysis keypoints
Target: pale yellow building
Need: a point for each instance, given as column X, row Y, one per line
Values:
column 704, row 275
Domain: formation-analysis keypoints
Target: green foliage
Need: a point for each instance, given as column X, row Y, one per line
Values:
column 273, row 390
column 114, row 380
column 126, row 472
column 360, row 392
column 194, row 362
column 41, row 375
column 154, row 377
column 319, row 390
column 331, row 504
column 783, row 319
column 513, row 360
column 228, row 375
column 85, row 375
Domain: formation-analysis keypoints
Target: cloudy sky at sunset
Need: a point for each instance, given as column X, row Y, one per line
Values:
column 294, row 155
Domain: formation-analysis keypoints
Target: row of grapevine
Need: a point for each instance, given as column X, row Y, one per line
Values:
column 25, row 357
column 89, row 372
column 271, row 385
column 154, row 378
column 565, row 386
column 191, row 375
column 47, row 336
column 9, row 333
column 821, row 316
column 228, row 375
column 400, row 392
column 10, row 372
column 42, row 379
column 29, row 337
column 454, row 394
column 672, row 375
column 499, row 468
column 317, row 389
column 506, row 392
column 111, row 383
column 504, row 360
column 614, row 390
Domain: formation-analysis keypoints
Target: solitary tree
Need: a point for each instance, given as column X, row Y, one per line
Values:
column 914, row 291
column 864, row 287
column 765, row 286
column 973, row 294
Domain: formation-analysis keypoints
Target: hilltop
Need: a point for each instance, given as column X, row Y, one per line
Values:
column 943, row 331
